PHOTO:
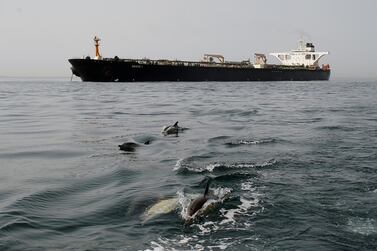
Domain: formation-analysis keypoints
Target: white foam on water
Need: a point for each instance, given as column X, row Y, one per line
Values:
column 248, row 201
column 247, row 186
column 193, row 242
column 181, row 165
column 212, row 167
column 362, row 226
column 241, row 165
column 221, row 246
column 204, row 230
column 247, row 204
column 247, row 165
column 268, row 163
column 255, row 142
column 222, row 193
column 229, row 216
column 178, row 165
column 156, row 247
column 185, row 240
column 184, row 200
column 179, row 243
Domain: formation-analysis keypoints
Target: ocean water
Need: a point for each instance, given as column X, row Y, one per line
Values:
column 293, row 165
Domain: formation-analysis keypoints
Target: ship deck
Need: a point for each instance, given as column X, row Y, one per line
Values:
column 228, row 64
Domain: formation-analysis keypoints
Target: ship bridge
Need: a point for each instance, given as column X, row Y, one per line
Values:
column 304, row 55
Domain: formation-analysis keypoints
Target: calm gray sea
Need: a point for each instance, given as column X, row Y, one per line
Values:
column 293, row 165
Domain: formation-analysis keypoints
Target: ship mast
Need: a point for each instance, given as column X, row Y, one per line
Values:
column 96, row 44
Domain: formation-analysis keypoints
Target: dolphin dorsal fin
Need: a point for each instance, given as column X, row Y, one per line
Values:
column 207, row 187
column 176, row 124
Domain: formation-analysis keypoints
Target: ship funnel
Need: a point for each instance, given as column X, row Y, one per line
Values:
column 96, row 44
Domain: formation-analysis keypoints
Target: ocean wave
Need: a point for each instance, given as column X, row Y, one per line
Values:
column 42, row 154
column 228, row 112
column 234, row 176
column 184, row 165
column 250, row 142
column 336, row 128
column 17, row 222
column 219, row 139
column 233, row 142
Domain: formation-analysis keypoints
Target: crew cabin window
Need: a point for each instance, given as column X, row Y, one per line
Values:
column 308, row 56
column 281, row 57
column 313, row 57
column 287, row 57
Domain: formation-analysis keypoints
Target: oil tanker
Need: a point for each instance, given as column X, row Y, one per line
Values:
column 301, row 64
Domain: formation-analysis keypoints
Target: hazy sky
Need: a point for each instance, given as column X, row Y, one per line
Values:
column 38, row 36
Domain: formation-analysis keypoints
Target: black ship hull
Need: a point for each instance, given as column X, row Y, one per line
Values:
column 112, row 70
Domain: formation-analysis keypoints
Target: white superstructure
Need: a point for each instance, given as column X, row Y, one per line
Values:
column 304, row 55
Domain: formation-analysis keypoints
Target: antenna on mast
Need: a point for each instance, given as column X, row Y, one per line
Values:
column 301, row 43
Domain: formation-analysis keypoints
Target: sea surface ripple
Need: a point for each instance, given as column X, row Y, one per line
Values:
column 293, row 165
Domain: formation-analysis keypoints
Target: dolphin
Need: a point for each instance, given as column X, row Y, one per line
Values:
column 161, row 207
column 130, row 146
column 172, row 129
column 198, row 203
